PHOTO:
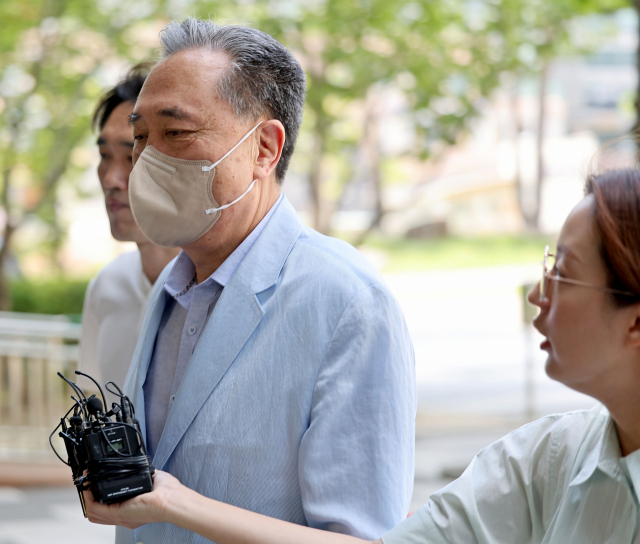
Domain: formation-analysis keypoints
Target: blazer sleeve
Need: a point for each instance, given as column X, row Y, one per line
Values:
column 356, row 459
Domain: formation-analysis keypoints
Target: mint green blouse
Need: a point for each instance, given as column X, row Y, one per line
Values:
column 558, row 480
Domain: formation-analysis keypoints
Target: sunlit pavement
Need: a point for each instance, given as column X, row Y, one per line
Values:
column 47, row 516
column 471, row 347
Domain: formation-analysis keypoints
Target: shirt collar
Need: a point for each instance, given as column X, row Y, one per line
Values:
column 631, row 466
column 180, row 276
column 605, row 456
column 226, row 270
column 184, row 270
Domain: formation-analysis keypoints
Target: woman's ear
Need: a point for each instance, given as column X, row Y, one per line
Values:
column 633, row 334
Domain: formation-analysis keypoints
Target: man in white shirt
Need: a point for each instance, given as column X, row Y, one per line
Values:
column 116, row 298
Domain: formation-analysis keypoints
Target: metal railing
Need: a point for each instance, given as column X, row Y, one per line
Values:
column 33, row 348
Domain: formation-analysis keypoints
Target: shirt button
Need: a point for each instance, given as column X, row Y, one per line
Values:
column 191, row 330
column 173, row 397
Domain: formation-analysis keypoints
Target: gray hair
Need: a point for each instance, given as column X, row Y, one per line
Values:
column 263, row 77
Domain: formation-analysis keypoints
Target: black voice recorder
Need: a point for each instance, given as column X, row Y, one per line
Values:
column 105, row 449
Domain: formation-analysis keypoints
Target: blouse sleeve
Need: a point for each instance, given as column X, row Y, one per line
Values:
column 499, row 499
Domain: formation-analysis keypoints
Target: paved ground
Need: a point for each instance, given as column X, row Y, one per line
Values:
column 471, row 355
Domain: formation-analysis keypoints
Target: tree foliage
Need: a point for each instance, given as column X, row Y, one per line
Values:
column 443, row 58
column 56, row 57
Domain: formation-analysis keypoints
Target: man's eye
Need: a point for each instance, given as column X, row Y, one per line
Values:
column 174, row 132
column 138, row 137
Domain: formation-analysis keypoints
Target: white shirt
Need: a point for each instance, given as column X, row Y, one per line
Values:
column 114, row 307
column 558, row 480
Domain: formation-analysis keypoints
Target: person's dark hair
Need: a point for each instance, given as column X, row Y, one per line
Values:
column 125, row 91
column 263, row 77
column 617, row 215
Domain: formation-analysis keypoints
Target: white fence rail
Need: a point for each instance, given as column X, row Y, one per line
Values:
column 33, row 348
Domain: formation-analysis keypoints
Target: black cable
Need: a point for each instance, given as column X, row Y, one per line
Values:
column 78, row 391
column 51, row 435
column 104, row 400
column 118, row 394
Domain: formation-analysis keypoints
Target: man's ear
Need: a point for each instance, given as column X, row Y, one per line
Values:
column 271, row 141
column 633, row 334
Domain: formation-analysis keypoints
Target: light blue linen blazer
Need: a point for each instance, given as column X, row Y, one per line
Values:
column 299, row 400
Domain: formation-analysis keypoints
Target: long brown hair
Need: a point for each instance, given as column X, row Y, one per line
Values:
column 617, row 215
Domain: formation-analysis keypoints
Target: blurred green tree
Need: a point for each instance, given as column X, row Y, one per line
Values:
column 534, row 33
column 444, row 58
column 56, row 57
column 436, row 56
column 436, row 61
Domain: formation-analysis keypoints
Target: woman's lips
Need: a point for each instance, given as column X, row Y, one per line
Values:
column 545, row 345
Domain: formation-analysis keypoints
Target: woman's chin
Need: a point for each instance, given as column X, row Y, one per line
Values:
column 551, row 368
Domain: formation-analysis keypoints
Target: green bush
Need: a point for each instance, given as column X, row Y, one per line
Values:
column 51, row 296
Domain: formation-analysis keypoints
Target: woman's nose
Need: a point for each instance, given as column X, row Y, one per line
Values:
column 533, row 296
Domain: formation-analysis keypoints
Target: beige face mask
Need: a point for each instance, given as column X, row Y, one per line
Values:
column 171, row 199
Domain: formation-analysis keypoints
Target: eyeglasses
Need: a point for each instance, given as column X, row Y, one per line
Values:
column 549, row 274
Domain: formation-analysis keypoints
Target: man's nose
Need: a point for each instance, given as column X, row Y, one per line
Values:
column 117, row 176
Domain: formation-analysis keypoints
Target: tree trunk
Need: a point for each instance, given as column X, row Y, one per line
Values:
column 517, row 129
column 5, row 294
column 315, row 178
column 530, row 213
column 372, row 152
column 542, row 118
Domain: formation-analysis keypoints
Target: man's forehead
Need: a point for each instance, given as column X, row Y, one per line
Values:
column 172, row 110
column 182, row 71
column 183, row 87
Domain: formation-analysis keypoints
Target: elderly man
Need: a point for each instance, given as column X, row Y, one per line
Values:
column 116, row 298
column 274, row 369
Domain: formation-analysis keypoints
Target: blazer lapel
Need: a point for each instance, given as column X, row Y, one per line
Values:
column 220, row 343
column 142, row 356
column 236, row 315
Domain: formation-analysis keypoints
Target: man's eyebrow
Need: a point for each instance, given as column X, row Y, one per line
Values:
column 133, row 117
column 175, row 113
column 123, row 143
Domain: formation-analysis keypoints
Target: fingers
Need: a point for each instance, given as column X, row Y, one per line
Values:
column 145, row 508
column 96, row 512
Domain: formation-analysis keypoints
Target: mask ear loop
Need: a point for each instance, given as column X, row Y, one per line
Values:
column 214, row 210
column 208, row 168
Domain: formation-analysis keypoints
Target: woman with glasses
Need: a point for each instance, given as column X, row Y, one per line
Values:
column 567, row 478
